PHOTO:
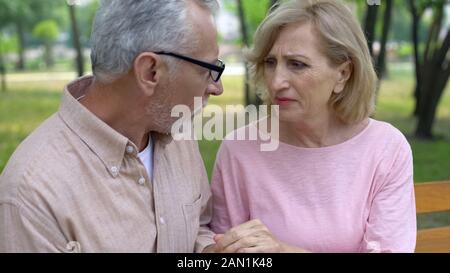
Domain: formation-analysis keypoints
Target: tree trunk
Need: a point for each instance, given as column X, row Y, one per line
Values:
column 417, row 64
column 49, row 55
column 21, row 44
column 435, row 78
column 244, row 34
column 76, row 41
column 433, row 34
column 426, row 120
column 443, row 51
column 2, row 73
column 435, row 85
column 381, row 59
column 369, row 25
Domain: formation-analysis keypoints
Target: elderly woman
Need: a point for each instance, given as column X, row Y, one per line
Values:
column 339, row 180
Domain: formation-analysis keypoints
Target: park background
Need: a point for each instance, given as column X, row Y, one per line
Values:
column 44, row 44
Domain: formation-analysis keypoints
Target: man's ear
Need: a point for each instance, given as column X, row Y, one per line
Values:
column 344, row 70
column 147, row 71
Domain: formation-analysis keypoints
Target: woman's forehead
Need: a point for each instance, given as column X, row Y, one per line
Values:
column 299, row 38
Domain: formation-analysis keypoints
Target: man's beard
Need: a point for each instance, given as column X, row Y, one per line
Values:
column 164, row 122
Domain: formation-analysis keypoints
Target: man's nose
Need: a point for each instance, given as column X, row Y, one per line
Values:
column 215, row 88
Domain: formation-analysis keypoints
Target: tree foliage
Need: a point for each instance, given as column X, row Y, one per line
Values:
column 47, row 31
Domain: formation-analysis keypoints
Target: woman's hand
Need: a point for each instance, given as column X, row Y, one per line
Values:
column 250, row 237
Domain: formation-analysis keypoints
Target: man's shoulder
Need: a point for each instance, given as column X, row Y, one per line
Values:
column 36, row 157
column 44, row 140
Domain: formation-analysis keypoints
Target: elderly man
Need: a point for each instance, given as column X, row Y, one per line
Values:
column 103, row 174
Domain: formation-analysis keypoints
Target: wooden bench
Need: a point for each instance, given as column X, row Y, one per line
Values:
column 433, row 197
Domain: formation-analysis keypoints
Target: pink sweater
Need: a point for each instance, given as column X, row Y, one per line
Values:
column 357, row 196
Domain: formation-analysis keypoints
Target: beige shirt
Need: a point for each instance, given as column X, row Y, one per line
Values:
column 75, row 184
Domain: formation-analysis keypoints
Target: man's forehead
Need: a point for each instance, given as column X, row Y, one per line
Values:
column 205, row 31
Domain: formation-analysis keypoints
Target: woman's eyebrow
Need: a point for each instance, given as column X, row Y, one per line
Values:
column 270, row 55
column 296, row 55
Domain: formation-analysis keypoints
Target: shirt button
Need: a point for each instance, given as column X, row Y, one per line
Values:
column 141, row 181
column 114, row 170
column 161, row 220
column 130, row 149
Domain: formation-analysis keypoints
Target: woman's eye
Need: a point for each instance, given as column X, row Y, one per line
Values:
column 269, row 62
column 297, row 64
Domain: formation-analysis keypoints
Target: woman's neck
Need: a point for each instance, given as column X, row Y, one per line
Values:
column 319, row 133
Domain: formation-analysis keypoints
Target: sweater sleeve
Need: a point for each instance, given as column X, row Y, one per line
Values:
column 205, row 235
column 230, row 204
column 391, row 225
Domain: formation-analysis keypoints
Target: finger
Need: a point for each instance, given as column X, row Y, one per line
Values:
column 257, row 249
column 218, row 237
column 251, row 224
column 262, row 233
column 236, row 233
column 245, row 242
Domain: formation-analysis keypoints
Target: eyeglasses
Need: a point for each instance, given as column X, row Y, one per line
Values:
column 215, row 70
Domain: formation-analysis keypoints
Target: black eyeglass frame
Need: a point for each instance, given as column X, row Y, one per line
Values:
column 216, row 68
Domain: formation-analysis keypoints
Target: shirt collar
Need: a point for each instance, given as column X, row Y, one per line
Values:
column 104, row 141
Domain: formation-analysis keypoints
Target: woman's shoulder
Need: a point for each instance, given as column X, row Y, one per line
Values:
column 386, row 131
column 388, row 137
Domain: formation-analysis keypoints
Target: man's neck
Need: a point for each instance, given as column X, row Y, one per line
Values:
column 108, row 103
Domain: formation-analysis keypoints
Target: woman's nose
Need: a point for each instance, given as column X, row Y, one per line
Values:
column 278, row 80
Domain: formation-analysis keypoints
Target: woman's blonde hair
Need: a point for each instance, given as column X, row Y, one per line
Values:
column 341, row 39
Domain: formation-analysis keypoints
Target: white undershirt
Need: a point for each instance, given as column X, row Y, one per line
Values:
column 146, row 157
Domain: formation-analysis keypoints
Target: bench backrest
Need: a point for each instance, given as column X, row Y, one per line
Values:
column 433, row 197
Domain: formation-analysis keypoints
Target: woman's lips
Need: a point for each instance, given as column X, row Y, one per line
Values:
column 283, row 101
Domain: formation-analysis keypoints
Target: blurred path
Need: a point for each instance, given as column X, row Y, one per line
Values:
column 40, row 76
column 231, row 70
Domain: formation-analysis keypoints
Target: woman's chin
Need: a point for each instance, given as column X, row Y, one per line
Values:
column 291, row 118
column 289, row 115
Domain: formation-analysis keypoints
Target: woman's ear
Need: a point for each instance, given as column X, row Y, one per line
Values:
column 147, row 71
column 344, row 70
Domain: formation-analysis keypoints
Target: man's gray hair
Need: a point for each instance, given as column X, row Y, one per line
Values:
column 123, row 29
